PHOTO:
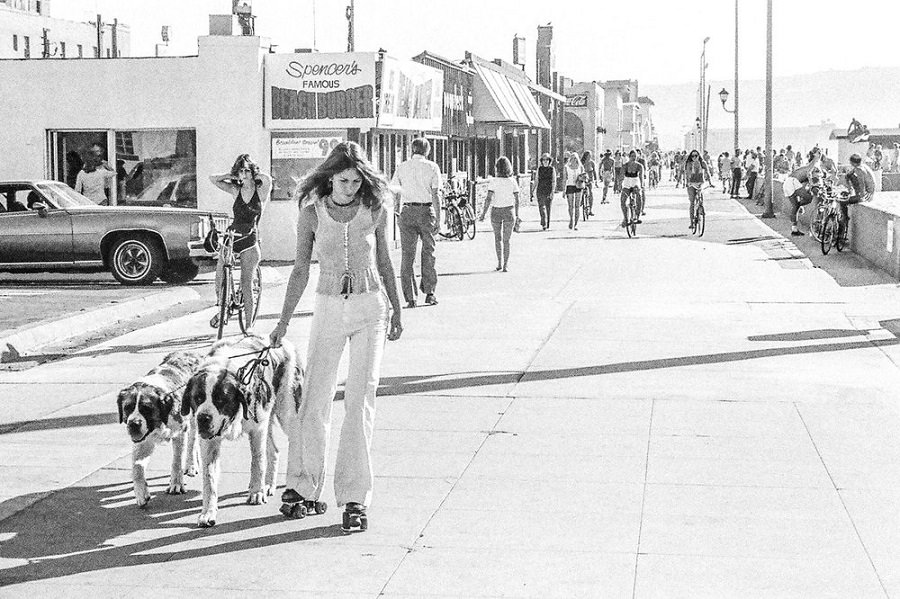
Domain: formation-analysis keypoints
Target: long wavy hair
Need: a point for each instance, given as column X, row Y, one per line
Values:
column 244, row 160
column 372, row 192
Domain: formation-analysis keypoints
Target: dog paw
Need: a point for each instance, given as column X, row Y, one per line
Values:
column 257, row 498
column 206, row 520
column 176, row 489
column 191, row 470
column 142, row 497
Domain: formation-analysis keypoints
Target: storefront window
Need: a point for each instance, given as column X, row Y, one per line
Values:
column 159, row 167
column 155, row 167
column 295, row 153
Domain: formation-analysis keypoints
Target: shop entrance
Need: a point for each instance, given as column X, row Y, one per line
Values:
column 72, row 149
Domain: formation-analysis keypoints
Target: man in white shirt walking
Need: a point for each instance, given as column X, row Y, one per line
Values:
column 419, row 180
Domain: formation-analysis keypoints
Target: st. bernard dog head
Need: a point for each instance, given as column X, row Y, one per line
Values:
column 153, row 402
column 220, row 400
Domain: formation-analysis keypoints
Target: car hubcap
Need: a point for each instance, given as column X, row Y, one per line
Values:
column 134, row 260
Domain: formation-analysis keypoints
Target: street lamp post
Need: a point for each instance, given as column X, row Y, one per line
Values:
column 770, row 178
column 723, row 95
column 701, row 118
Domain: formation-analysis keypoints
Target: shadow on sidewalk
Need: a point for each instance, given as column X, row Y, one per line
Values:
column 430, row 383
column 77, row 530
column 415, row 385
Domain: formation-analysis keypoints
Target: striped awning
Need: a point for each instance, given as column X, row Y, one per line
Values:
column 499, row 99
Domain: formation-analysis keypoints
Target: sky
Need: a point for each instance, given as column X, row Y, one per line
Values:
column 653, row 41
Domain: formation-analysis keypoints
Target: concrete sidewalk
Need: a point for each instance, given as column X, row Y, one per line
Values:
column 666, row 416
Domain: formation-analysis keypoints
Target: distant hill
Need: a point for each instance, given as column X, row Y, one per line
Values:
column 872, row 95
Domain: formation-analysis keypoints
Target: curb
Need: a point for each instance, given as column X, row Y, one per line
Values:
column 33, row 336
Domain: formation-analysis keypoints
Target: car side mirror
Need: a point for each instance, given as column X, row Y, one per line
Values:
column 41, row 208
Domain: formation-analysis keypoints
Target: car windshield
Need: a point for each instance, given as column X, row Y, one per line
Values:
column 63, row 196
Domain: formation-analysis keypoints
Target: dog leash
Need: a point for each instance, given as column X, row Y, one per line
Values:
column 248, row 371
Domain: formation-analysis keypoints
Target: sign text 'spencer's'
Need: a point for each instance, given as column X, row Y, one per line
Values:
column 299, row 70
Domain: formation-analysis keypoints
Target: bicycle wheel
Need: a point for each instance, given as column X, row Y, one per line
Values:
column 585, row 210
column 224, row 302
column 840, row 232
column 454, row 223
column 631, row 225
column 815, row 226
column 829, row 230
column 701, row 218
column 447, row 232
column 256, row 290
column 470, row 223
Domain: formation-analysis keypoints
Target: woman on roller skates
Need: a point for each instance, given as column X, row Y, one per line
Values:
column 342, row 209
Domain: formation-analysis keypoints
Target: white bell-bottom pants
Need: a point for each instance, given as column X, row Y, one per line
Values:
column 360, row 319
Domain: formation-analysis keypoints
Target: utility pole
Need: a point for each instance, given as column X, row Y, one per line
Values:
column 350, row 19
column 770, row 179
column 115, row 38
column 99, row 24
column 45, row 38
column 703, row 95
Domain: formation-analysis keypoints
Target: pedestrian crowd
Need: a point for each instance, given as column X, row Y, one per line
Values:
column 343, row 209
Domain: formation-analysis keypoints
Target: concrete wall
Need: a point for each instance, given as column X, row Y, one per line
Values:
column 875, row 231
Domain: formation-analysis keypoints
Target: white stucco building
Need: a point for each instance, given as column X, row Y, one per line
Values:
column 170, row 122
column 584, row 124
column 27, row 30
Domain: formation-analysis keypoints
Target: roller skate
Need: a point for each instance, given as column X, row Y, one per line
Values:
column 355, row 517
column 295, row 506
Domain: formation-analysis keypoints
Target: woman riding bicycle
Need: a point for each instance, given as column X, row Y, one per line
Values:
column 696, row 172
column 632, row 182
column 250, row 189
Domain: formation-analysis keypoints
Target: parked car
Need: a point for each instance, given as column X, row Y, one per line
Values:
column 47, row 226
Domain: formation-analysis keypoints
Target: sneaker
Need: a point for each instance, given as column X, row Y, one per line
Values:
column 796, row 233
column 430, row 300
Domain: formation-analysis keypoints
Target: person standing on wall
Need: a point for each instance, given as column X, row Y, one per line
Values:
column 419, row 180
column 546, row 180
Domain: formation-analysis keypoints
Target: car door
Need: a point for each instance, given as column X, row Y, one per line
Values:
column 26, row 236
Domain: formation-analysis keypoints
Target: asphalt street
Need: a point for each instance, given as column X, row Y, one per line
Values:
column 664, row 416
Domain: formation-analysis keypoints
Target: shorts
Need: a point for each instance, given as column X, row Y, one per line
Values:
column 572, row 189
column 607, row 177
column 790, row 186
column 629, row 182
column 244, row 243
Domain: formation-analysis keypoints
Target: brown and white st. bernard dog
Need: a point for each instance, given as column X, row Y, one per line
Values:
column 226, row 407
column 152, row 413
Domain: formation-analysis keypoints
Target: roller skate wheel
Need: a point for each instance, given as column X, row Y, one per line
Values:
column 321, row 507
column 345, row 524
column 363, row 522
column 293, row 510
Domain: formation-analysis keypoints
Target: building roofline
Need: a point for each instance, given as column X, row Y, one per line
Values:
column 461, row 65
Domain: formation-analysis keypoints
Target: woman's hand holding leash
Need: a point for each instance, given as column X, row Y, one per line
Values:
column 277, row 334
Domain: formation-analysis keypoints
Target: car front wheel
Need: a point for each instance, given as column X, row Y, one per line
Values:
column 180, row 271
column 136, row 260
